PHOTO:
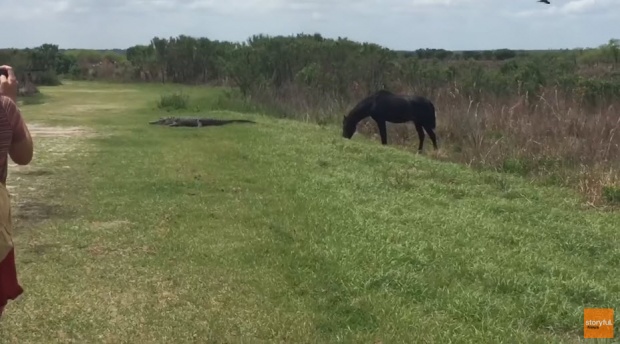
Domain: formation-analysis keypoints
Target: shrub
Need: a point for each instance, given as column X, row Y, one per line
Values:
column 611, row 194
column 174, row 101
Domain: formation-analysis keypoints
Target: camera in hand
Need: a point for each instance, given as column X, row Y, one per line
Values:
column 4, row 71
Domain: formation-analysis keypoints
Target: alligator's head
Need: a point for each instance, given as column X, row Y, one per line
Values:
column 164, row 121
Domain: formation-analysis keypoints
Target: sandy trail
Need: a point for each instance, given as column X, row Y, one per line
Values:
column 37, row 131
column 27, row 184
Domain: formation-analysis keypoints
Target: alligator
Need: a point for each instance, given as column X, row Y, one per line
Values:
column 196, row 122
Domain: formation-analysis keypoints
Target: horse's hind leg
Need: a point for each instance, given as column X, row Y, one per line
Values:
column 420, row 130
column 431, row 134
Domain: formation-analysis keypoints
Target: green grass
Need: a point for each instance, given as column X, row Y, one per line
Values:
column 283, row 231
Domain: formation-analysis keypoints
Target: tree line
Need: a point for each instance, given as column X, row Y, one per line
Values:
column 339, row 68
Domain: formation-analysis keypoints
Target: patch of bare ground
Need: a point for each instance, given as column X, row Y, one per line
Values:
column 79, row 108
column 116, row 90
column 28, row 184
column 46, row 131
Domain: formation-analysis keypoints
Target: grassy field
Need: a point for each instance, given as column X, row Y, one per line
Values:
column 282, row 231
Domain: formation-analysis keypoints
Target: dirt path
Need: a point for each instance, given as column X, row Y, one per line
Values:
column 27, row 184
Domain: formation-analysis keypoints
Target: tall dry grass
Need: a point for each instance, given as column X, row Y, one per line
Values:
column 551, row 138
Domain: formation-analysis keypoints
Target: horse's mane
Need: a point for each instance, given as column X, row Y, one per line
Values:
column 371, row 98
column 382, row 93
column 361, row 107
column 365, row 104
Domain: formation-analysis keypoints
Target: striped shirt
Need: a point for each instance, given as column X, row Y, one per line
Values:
column 12, row 130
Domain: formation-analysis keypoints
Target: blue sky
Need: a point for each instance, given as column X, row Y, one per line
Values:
column 396, row 24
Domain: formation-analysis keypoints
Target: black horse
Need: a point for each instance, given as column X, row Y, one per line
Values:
column 384, row 106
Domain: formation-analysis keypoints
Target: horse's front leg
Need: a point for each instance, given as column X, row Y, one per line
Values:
column 382, row 131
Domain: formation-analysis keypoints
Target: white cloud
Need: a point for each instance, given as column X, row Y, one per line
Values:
column 318, row 16
column 39, row 8
column 587, row 6
column 574, row 7
column 235, row 6
column 400, row 24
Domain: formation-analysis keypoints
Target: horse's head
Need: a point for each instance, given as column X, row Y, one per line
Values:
column 348, row 127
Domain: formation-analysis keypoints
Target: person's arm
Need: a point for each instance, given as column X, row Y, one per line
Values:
column 21, row 149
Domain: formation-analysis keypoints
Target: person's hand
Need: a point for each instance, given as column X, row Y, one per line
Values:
column 8, row 85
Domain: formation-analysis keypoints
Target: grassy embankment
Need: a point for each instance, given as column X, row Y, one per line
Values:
column 282, row 231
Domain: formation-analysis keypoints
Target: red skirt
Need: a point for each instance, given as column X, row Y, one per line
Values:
column 9, row 286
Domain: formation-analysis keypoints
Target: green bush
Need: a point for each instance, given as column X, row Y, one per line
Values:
column 174, row 101
column 611, row 194
column 47, row 78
